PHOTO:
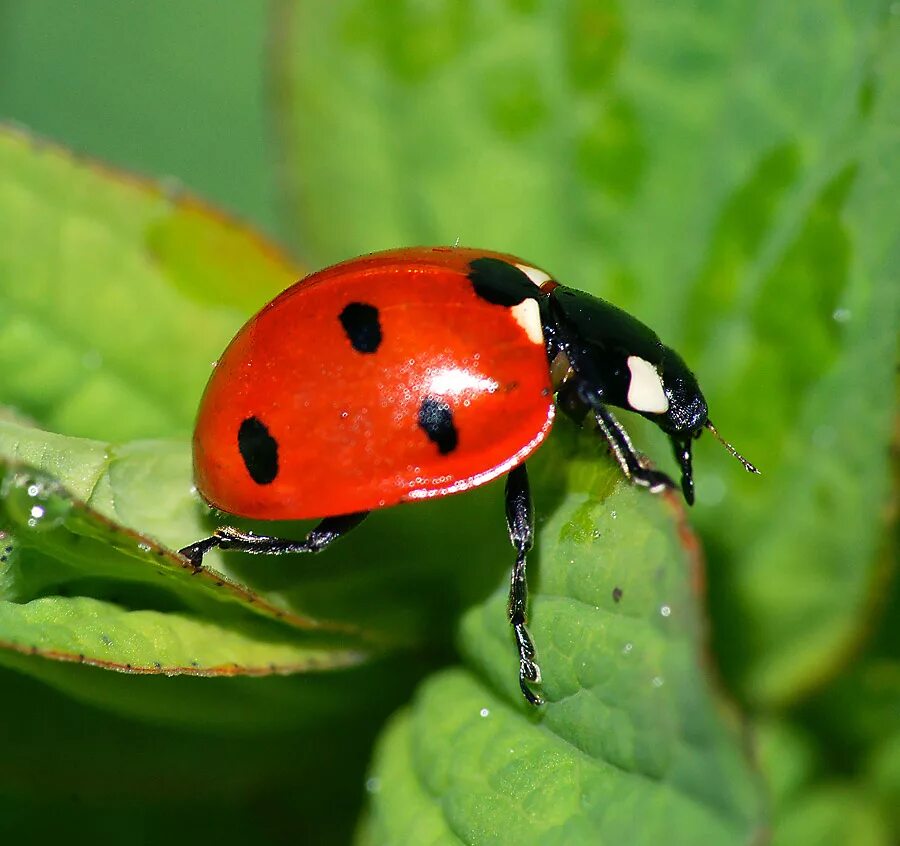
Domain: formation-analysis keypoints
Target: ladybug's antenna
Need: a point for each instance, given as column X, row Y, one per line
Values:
column 747, row 465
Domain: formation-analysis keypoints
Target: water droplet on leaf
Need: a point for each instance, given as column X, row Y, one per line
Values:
column 34, row 501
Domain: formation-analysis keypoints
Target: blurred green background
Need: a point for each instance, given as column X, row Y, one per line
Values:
column 728, row 171
column 170, row 90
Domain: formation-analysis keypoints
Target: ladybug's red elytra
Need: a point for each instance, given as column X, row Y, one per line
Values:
column 421, row 372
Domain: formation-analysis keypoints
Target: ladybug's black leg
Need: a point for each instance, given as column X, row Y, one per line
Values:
column 520, row 520
column 623, row 450
column 227, row 537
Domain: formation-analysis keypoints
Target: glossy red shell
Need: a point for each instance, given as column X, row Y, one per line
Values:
column 346, row 423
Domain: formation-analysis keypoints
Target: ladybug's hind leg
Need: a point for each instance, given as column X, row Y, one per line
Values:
column 227, row 537
column 520, row 521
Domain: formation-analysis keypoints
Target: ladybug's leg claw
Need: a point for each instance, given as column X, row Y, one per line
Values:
column 653, row 480
column 529, row 671
column 195, row 551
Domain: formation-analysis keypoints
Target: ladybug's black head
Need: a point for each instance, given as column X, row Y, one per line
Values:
column 686, row 413
column 687, row 417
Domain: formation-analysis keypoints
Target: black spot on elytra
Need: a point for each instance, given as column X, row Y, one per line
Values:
column 362, row 326
column 500, row 282
column 259, row 451
column 617, row 594
column 436, row 420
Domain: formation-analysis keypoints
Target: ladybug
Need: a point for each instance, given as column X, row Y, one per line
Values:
column 421, row 372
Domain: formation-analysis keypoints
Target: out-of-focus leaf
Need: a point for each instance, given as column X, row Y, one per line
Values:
column 833, row 815
column 114, row 296
column 788, row 759
column 68, row 767
column 634, row 744
column 883, row 777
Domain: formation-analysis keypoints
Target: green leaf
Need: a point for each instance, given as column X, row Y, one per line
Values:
column 114, row 296
column 727, row 171
column 858, row 715
column 163, row 773
column 634, row 744
column 165, row 642
column 833, row 815
column 883, row 777
column 788, row 758
column 78, row 586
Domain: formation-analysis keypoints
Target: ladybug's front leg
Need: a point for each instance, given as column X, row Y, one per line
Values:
column 520, row 521
column 617, row 438
column 227, row 537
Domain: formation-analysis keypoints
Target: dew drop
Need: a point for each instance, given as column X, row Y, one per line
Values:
column 613, row 514
column 485, row 712
column 34, row 501
column 842, row 315
column 373, row 785
column 665, row 610
column 657, row 681
column 627, row 648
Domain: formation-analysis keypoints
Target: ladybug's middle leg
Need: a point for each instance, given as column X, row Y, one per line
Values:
column 227, row 537
column 520, row 521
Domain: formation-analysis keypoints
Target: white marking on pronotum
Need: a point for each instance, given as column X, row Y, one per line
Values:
column 528, row 315
column 645, row 392
column 534, row 274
